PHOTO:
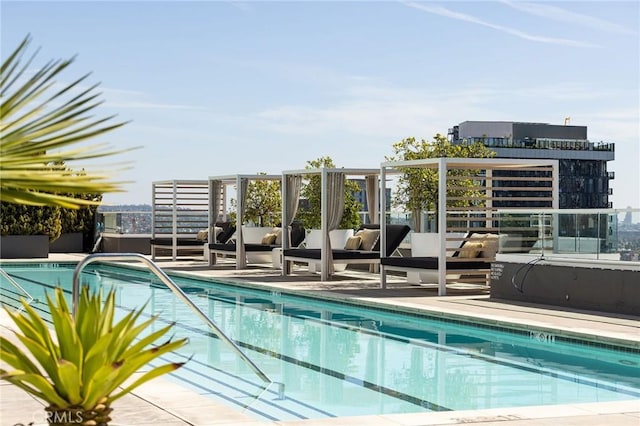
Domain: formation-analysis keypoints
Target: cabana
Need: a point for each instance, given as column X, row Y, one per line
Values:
column 332, row 206
column 246, row 239
column 469, row 219
column 179, row 212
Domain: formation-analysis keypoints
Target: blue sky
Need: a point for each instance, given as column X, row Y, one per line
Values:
column 225, row 87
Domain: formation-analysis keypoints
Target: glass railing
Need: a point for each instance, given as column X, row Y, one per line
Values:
column 129, row 222
column 607, row 234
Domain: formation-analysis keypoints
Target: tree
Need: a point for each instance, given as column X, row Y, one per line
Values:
column 417, row 188
column 41, row 124
column 263, row 205
column 312, row 191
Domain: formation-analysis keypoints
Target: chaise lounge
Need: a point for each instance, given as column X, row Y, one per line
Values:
column 185, row 243
column 365, row 251
column 469, row 263
column 269, row 241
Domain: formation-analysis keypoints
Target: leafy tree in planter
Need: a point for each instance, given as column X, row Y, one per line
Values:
column 417, row 189
column 312, row 191
column 263, row 205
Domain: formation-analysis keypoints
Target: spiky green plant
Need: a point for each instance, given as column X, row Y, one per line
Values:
column 80, row 366
column 42, row 124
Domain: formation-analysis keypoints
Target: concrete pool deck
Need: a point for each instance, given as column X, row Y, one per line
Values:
column 161, row 402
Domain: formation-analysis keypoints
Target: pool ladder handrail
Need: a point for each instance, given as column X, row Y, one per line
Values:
column 18, row 286
column 178, row 292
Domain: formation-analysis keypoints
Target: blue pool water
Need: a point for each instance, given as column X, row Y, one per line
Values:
column 342, row 360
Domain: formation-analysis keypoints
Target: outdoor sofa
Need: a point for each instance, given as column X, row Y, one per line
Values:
column 368, row 252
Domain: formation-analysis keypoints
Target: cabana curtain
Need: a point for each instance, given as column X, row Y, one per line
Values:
column 371, row 190
column 294, row 183
column 335, row 208
column 243, row 185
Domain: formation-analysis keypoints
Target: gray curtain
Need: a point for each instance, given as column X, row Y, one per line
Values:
column 242, row 195
column 371, row 189
column 417, row 223
column 243, row 184
column 294, row 183
column 335, row 208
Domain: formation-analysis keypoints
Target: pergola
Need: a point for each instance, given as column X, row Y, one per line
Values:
column 179, row 211
column 332, row 204
column 542, row 191
column 218, row 201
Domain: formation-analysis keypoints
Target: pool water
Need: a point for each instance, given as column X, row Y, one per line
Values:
column 343, row 360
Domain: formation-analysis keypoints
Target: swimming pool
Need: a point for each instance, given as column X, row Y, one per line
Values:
column 342, row 360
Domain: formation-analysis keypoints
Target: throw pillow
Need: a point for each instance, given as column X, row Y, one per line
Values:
column 353, row 243
column 369, row 238
column 268, row 239
column 203, row 235
column 278, row 233
column 470, row 249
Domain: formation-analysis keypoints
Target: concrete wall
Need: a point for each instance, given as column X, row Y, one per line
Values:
column 122, row 243
column 590, row 288
column 24, row 246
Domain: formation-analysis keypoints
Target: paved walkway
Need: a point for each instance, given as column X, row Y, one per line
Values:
column 163, row 403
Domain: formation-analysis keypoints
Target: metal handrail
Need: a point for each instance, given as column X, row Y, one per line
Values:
column 18, row 286
column 178, row 292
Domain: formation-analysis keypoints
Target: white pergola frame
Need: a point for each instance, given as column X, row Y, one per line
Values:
column 241, row 259
column 323, row 172
column 443, row 165
column 183, row 193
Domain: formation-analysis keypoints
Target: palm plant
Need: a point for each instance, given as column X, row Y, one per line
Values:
column 84, row 363
column 81, row 369
column 41, row 125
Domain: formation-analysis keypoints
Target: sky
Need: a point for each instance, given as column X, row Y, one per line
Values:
column 213, row 88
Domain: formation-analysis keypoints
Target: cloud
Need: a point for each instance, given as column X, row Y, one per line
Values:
column 130, row 99
column 442, row 11
column 555, row 13
column 378, row 111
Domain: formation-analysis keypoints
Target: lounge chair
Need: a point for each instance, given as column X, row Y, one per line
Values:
column 266, row 246
column 469, row 263
column 348, row 255
column 186, row 243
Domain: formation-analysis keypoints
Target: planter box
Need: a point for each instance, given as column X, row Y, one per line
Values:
column 67, row 243
column 24, row 246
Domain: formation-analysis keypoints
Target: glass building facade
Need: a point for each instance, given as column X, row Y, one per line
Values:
column 583, row 175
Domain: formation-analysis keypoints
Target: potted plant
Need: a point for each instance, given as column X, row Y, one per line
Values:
column 79, row 368
column 310, row 213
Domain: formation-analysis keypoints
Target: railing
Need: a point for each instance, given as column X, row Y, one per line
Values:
column 18, row 286
column 178, row 292
column 125, row 222
column 608, row 234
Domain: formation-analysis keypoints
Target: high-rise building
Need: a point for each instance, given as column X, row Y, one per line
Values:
column 583, row 176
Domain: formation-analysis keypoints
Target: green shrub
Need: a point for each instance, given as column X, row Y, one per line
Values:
column 17, row 219
column 310, row 216
column 81, row 220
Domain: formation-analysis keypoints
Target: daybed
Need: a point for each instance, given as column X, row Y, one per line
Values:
column 469, row 263
column 366, row 251
column 269, row 239
column 191, row 243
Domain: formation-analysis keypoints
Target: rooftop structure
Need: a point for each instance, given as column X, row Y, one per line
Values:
column 583, row 175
